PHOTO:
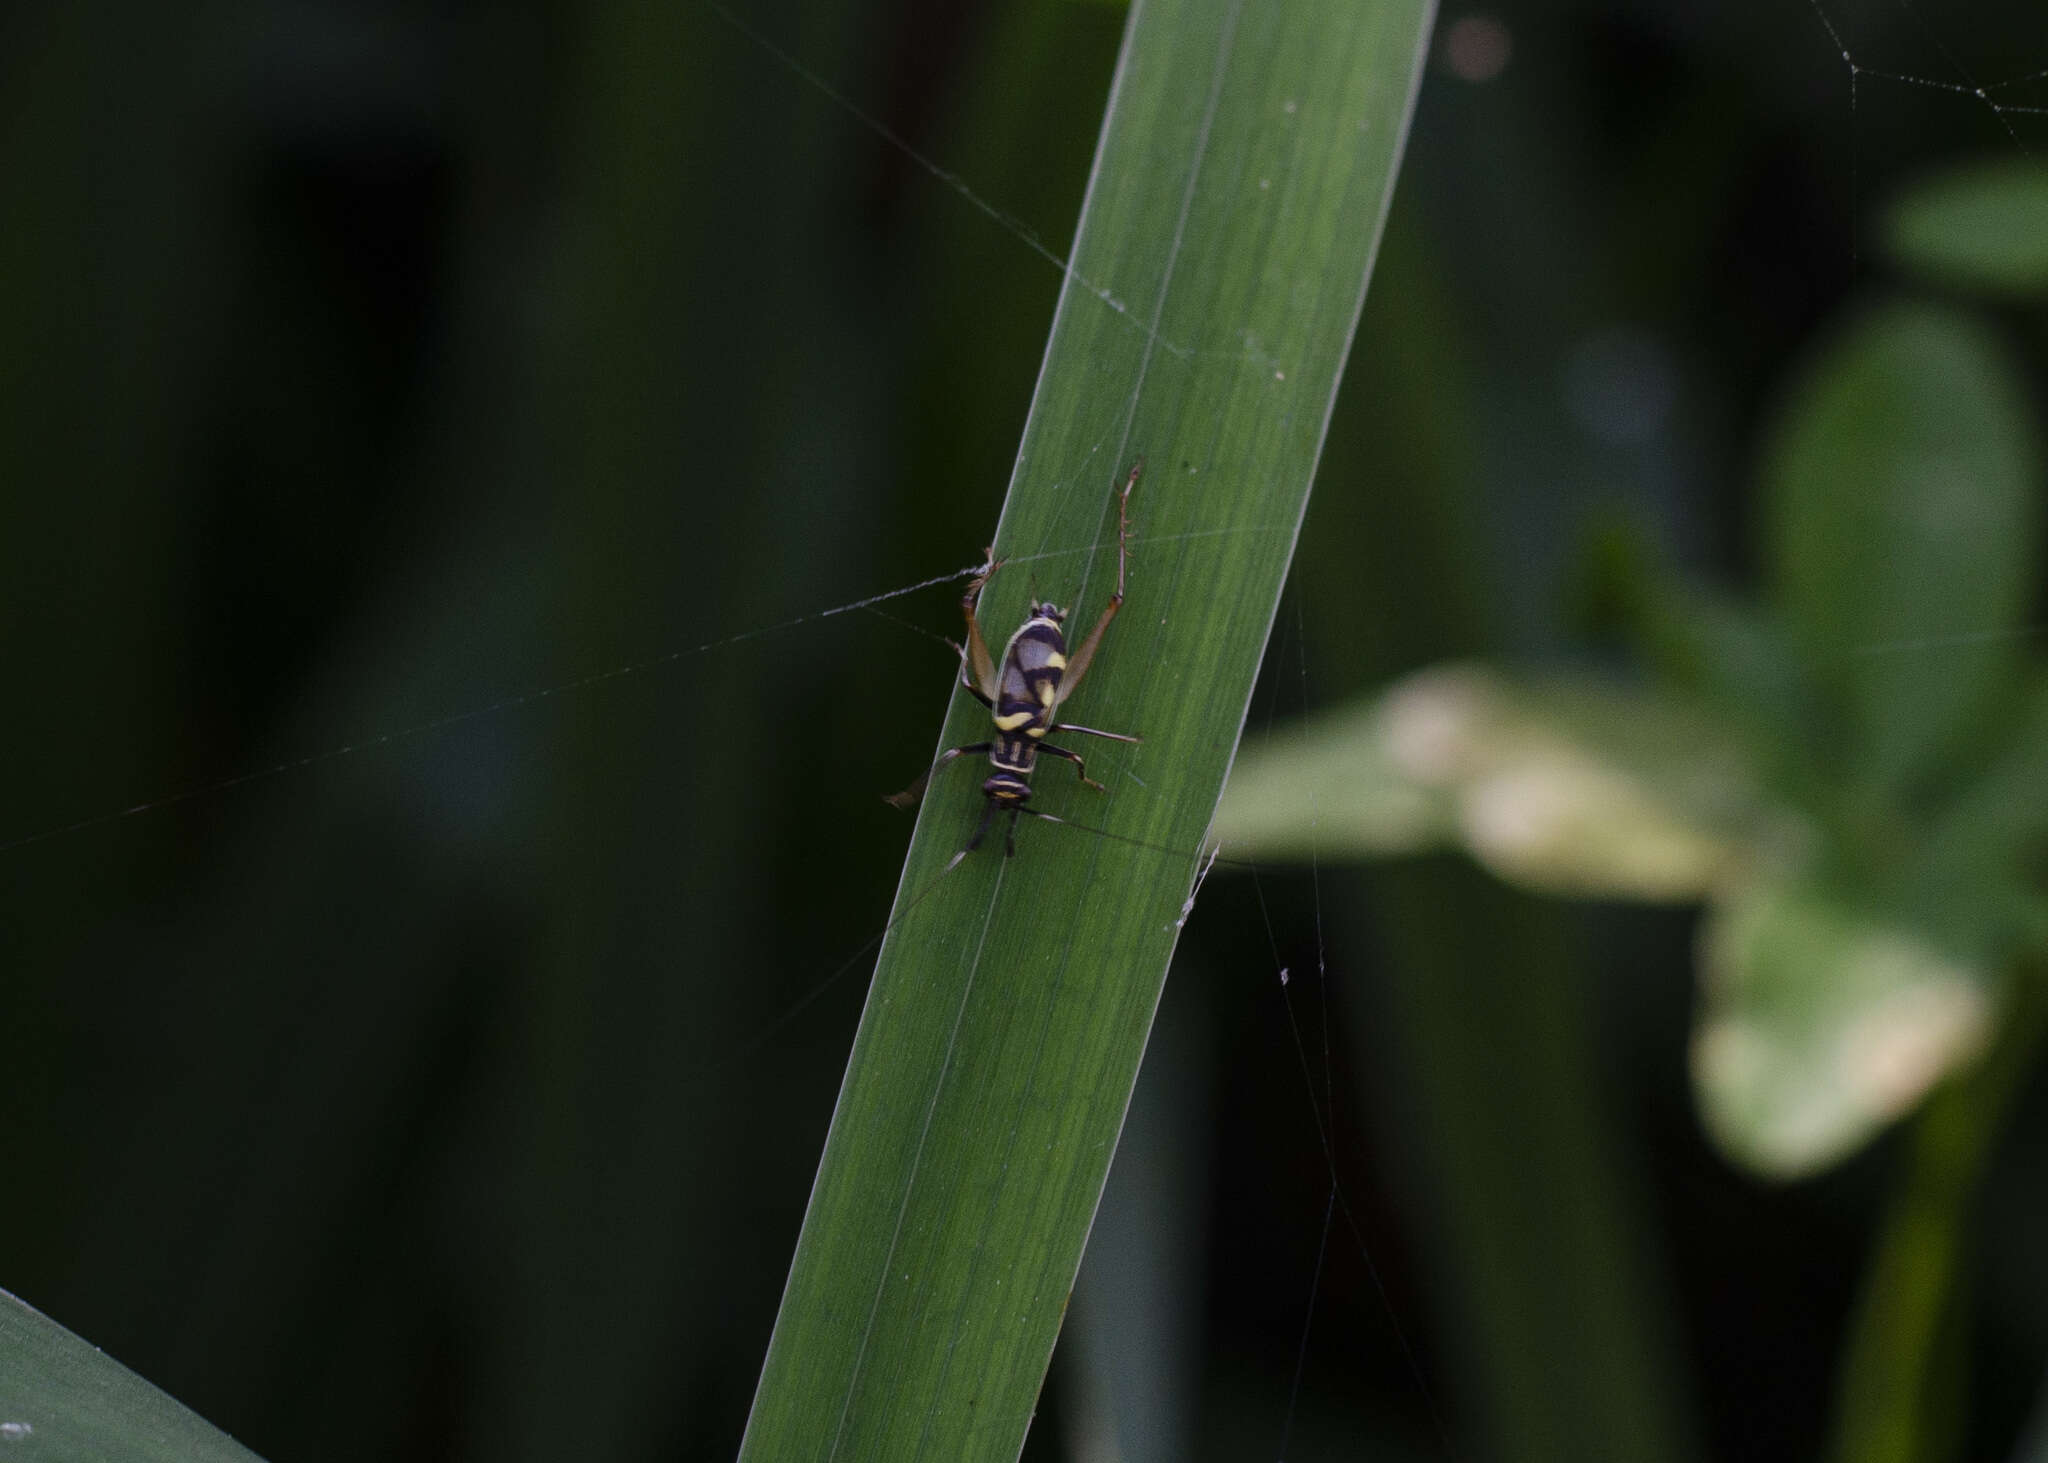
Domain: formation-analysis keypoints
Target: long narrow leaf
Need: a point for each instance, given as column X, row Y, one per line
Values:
column 63, row 1400
column 1239, row 188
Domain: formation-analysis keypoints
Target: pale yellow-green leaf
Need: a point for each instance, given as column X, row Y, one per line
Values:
column 1822, row 1023
column 1329, row 787
column 1567, row 787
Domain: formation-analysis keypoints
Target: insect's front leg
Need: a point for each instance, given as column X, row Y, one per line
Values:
column 909, row 796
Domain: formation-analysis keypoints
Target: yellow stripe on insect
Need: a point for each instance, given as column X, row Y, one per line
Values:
column 1014, row 720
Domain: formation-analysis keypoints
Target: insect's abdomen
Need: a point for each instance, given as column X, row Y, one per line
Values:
column 1029, row 685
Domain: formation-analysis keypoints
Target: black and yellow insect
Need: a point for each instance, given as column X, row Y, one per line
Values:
column 1037, row 677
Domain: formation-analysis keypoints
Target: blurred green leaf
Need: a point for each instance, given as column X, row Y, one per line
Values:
column 1980, row 227
column 1732, row 661
column 1566, row 786
column 1823, row 1021
column 1331, row 788
column 1904, row 494
column 1975, row 875
column 1242, row 178
column 63, row 1400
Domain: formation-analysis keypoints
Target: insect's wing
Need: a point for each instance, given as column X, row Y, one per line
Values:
column 1029, row 685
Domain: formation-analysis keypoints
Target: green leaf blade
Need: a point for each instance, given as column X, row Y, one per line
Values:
column 1238, row 194
column 63, row 1400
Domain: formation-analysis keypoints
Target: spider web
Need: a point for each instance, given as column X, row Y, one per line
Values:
column 1882, row 62
column 2012, row 102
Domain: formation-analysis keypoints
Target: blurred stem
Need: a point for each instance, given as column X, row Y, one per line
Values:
column 1902, row 1377
column 1555, row 1318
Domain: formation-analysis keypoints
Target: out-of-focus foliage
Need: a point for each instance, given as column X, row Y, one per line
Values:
column 1572, row 787
column 378, row 383
column 1853, row 775
column 1902, row 506
column 1983, row 227
column 1822, row 1020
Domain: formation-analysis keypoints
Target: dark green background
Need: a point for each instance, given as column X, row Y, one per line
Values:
column 367, row 365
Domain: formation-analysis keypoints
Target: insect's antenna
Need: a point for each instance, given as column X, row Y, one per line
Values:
column 1213, row 855
column 760, row 1038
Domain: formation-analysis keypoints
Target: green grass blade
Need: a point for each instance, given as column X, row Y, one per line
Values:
column 1239, row 188
column 63, row 1400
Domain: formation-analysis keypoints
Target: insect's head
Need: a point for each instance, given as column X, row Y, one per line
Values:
column 1008, row 789
column 1047, row 610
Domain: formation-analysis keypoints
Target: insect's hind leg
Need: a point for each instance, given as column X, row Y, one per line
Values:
column 1079, row 661
column 967, row 677
column 977, row 666
column 988, row 814
column 1080, row 767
